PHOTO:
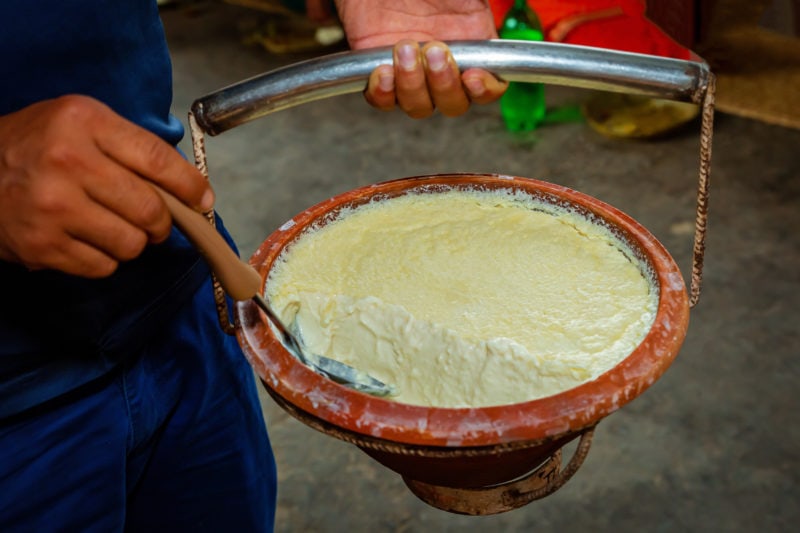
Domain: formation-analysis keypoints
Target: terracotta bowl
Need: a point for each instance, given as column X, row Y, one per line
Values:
column 460, row 459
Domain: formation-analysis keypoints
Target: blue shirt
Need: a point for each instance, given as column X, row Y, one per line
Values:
column 58, row 332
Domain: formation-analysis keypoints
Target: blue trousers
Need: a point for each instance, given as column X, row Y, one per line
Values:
column 174, row 440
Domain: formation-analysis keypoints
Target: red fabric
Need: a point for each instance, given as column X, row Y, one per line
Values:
column 628, row 30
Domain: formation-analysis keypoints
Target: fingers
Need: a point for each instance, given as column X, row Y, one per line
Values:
column 63, row 228
column 78, row 259
column 428, row 78
column 153, row 159
column 110, row 170
column 482, row 87
column 76, row 181
column 110, row 234
column 131, row 199
column 444, row 80
column 89, row 250
column 73, row 247
column 380, row 88
column 411, row 85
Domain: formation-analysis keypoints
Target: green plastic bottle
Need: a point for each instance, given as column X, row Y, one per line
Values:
column 522, row 105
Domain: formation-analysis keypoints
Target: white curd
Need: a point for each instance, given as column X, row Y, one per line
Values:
column 466, row 298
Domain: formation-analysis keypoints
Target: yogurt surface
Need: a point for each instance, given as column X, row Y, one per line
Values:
column 466, row 298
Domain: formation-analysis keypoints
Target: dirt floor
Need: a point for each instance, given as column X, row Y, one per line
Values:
column 711, row 446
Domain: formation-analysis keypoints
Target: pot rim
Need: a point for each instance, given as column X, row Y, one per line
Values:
column 537, row 420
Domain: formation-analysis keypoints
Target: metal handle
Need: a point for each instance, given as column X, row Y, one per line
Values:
column 551, row 63
column 524, row 61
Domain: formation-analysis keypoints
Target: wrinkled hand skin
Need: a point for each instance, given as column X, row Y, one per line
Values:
column 74, row 191
column 422, row 78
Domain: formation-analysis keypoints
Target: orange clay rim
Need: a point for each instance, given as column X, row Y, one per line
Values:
column 537, row 420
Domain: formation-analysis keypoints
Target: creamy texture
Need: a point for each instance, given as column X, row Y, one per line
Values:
column 466, row 298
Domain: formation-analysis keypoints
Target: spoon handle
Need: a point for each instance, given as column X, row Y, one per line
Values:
column 239, row 280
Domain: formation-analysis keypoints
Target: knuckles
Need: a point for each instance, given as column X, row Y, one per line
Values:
column 103, row 271
column 130, row 245
column 158, row 155
column 100, row 268
column 40, row 247
column 151, row 211
column 49, row 201
column 74, row 113
column 75, row 108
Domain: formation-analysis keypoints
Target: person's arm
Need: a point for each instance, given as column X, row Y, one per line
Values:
column 422, row 78
column 74, row 193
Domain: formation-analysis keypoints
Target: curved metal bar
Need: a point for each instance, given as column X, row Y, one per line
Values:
column 525, row 61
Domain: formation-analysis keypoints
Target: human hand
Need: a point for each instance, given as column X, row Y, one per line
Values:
column 73, row 187
column 426, row 78
column 319, row 11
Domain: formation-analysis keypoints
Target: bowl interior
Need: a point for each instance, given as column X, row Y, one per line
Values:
column 538, row 420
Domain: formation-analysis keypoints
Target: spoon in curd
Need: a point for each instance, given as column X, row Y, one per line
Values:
column 242, row 282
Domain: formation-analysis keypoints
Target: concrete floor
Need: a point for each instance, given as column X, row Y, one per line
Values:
column 712, row 446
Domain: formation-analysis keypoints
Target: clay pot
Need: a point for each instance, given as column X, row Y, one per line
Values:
column 469, row 460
